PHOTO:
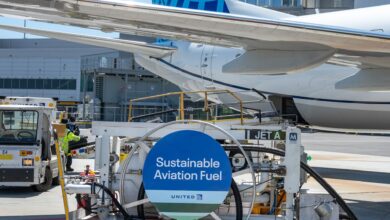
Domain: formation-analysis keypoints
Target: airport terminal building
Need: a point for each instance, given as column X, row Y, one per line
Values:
column 54, row 68
column 42, row 68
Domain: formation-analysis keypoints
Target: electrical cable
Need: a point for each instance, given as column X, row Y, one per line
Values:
column 312, row 173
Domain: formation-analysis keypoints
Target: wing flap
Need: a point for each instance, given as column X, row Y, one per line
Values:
column 234, row 28
column 117, row 44
column 367, row 80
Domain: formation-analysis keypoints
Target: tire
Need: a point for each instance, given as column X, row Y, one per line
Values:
column 43, row 187
column 56, row 180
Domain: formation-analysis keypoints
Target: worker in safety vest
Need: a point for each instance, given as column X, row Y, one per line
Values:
column 69, row 136
column 71, row 125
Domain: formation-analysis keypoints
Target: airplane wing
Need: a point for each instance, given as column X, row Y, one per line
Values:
column 292, row 45
column 117, row 44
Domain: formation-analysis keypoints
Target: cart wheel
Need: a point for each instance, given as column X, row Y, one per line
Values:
column 47, row 183
column 56, row 180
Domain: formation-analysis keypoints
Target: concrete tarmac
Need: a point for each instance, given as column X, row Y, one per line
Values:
column 358, row 167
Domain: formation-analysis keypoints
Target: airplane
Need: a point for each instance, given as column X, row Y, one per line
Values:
column 334, row 65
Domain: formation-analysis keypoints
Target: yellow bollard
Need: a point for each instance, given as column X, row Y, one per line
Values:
column 61, row 177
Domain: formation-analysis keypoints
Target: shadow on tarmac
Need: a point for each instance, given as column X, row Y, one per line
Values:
column 357, row 175
column 34, row 217
column 18, row 192
column 370, row 210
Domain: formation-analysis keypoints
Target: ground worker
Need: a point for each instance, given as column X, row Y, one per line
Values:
column 69, row 136
column 72, row 126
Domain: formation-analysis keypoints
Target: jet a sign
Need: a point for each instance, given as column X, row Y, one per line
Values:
column 265, row 135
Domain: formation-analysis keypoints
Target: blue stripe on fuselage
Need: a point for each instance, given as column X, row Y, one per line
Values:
column 205, row 5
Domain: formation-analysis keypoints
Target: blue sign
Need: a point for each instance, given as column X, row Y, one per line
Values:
column 293, row 136
column 187, row 174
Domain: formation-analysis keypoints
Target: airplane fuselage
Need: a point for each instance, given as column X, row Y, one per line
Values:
column 352, row 94
column 319, row 93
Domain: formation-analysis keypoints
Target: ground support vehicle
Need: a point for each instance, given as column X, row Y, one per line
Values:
column 27, row 153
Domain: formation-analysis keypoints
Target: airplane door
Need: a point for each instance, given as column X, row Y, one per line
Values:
column 206, row 61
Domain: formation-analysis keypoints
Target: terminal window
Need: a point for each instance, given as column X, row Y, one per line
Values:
column 62, row 84
column 275, row 3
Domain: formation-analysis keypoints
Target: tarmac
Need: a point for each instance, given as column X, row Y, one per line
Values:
column 357, row 166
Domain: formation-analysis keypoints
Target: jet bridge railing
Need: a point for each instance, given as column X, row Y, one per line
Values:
column 206, row 107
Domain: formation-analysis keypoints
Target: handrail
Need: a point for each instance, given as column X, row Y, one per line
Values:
column 181, row 101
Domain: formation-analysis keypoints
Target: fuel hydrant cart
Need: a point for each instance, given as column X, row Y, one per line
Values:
column 194, row 169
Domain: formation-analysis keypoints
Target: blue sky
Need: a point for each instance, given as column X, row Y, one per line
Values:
column 46, row 26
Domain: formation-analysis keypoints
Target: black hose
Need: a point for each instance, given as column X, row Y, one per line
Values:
column 117, row 204
column 312, row 173
column 76, row 145
column 86, row 207
column 140, row 208
column 237, row 200
column 141, row 195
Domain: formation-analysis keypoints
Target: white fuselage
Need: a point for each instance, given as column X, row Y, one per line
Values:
column 322, row 95
column 315, row 92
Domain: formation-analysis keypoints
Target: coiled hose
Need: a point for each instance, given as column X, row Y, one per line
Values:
column 312, row 173
column 117, row 204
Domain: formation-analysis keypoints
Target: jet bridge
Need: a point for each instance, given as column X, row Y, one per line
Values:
column 262, row 178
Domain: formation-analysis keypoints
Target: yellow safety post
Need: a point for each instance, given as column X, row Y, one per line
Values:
column 181, row 101
column 206, row 102
column 181, row 106
column 61, row 172
column 130, row 111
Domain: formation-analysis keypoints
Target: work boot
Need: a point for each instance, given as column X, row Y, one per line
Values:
column 69, row 169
